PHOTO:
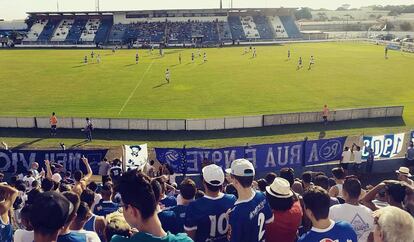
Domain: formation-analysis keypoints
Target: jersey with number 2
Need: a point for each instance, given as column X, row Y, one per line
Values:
column 209, row 216
column 249, row 218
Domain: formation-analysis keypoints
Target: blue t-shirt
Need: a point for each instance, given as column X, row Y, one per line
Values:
column 173, row 219
column 169, row 202
column 339, row 231
column 249, row 217
column 90, row 224
column 104, row 208
column 72, row 237
column 209, row 216
column 6, row 232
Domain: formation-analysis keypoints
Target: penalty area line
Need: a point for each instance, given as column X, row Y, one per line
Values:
column 136, row 87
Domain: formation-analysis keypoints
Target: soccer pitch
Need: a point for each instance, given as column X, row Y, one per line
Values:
column 345, row 75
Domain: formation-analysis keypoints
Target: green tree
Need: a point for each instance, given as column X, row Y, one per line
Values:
column 303, row 13
column 406, row 26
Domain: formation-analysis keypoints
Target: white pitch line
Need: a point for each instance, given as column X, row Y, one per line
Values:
column 136, row 87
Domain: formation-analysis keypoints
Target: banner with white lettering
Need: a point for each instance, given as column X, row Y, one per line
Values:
column 267, row 157
column 384, row 146
column 136, row 156
column 19, row 161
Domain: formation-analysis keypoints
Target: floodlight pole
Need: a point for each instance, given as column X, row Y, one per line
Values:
column 97, row 7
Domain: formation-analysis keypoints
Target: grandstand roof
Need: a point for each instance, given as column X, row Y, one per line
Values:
column 232, row 10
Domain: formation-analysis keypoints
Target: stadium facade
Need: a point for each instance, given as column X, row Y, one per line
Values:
column 206, row 26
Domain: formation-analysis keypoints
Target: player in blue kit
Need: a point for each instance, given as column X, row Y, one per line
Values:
column 251, row 211
column 317, row 203
column 173, row 219
column 207, row 217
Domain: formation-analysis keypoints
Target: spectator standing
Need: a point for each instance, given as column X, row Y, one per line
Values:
column 82, row 180
column 203, row 215
column 370, row 159
column 393, row 225
column 317, row 202
column 104, row 167
column 394, row 193
column 165, row 200
column 88, row 129
column 48, row 215
column 345, row 158
column 53, row 124
column 409, row 156
column 139, row 209
column 8, row 196
column 287, row 211
column 251, row 213
column 339, row 176
column 404, row 175
column 359, row 216
column 323, row 181
column 325, row 114
column 173, row 219
column 94, row 223
column 357, row 157
column 106, row 206
column 82, row 215
column 116, row 170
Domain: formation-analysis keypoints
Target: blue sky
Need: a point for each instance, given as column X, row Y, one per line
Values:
column 16, row 9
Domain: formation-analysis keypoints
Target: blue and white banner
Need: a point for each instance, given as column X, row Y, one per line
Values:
column 136, row 156
column 384, row 146
column 19, row 161
column 267, row 157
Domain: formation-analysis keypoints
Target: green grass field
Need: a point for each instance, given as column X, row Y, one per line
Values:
column 346, row 75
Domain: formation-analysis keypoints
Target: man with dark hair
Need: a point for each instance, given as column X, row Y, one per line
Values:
column 48, row 215
column 270, row 177
column 8, row 196
column 251, row 211
column 95, row 223
column 139, row 209
column 207, row 218
column 115, row 171
column 317, row 201
column 173, row 219
column 65, row 234
column 323, row 181
column 339, row 176
column 82, row 216
column 306, row 179
column 288, row 174
column 82, row 180
column 47, row 185
column 106, row 206
column 166, row 201
column 395, row 193
column 359, row 216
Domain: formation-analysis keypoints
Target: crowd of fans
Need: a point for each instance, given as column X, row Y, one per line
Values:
column 54, row 205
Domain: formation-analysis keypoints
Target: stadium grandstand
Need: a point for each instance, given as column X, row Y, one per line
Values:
column 186, row 27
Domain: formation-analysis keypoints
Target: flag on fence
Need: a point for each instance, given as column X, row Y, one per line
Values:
column 136, row 156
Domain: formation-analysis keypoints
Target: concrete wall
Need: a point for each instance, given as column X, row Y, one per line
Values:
column 206, row 124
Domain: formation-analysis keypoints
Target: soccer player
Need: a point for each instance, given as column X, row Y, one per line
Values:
column 299, row 63
column 139, row 208
column 53, row 124
column 311, row 62
column 245, row 50
column 92, row 54
column 317, row 203
column 254, row 52
column 205, row 57
column 192, row 57
column 136, row 58
column 98, row 58
column 85, row 59
column 207, row 217
column 251, row 211
column 179, row 57
column 288, row 54
column 167, row 75
column 386, row 52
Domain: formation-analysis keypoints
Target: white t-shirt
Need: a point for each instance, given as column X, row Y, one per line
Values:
column 28, row 181
column 90, row 236
column 22, row 235
column 346, row 156
column 358, row 157
column 360, row 217
column 96, row 200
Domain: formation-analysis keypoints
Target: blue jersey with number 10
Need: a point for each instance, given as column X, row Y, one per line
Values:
column 249, row 217
column 209, row 216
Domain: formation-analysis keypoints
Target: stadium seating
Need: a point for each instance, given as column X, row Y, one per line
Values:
column 236, row 28
column 262, row 25
column 280, row 32
column 179, row 32
column 91, row 27
column 76, row 31
column 102, row 32
column 48, row 30
column 224, row 30
column 116, row 36
column 249, row 27
column 35, row 30
column 208, row 30
column 62, row 31
column 145, row 32
column 291, row 27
